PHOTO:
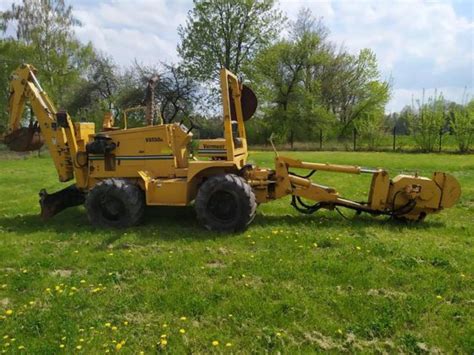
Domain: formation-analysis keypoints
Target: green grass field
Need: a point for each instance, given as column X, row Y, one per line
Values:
column 290, row 283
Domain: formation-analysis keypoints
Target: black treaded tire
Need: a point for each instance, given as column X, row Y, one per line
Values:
column 115, row 203
column 225, row 203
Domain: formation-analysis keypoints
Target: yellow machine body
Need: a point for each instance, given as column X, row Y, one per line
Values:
column 157, row 159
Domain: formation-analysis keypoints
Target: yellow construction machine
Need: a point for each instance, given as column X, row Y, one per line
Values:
column 119, row 171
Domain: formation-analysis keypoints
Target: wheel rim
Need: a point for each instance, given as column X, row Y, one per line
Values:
column 223, row 206
column 112, row 208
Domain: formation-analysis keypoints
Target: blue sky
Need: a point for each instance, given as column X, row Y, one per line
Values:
column 419, row 44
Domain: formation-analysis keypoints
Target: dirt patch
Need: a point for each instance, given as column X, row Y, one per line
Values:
column 4, row 302
column 215, row 264
column 386, row 293
column 61, row 273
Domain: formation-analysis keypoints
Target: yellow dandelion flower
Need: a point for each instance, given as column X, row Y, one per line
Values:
column 165, row 325
column 9, row 312
column 81, row 340
column 142, row 353
column 21, row 347
column 107, row 325
column 48, row 290
column 215, row 343
column 228, row 344
column 6, row 336
column 111, row 273
column 315, row 245
column 79, row 347
column 6, row 345
column 111, row 254
column 76, row 251
column 163, row 342
column 82, row 281
column 278, row 334
column 61, row 346
column 118, row 346
column 183, row 318
column 4, row 286
column 358, row 248
column 339, row 331
column 163, row 336
column 114, row 328
column 107, row 351
column 439, row 297
column 31, row 303
column 125, row 323
column 230, row 315
column 182, row 331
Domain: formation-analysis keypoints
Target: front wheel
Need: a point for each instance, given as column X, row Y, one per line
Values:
column 225, row 203
column 115, row 203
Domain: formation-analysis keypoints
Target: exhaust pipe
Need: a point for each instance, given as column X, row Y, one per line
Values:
column 52, row 204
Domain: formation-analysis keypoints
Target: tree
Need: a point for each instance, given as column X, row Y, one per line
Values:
column 226, row 34
column 463, row 125
column 285, row 73
column 175, row 92
column 351, row 88
column 48, row 27
column 11, row 54
column 427, row 121
column 96, row 92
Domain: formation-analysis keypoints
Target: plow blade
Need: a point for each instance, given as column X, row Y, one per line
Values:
column 24, row 139
column 52, row 204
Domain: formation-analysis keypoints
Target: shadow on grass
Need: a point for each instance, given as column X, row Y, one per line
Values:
column 174, row 223
column 327, row 219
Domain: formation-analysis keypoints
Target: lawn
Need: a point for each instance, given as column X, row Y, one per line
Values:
column 290, row 283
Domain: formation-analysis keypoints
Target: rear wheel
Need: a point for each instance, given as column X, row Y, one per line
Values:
column 225, row 203
column 115, row 203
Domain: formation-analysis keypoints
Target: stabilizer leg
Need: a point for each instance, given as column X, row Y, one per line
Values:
column 52, row 204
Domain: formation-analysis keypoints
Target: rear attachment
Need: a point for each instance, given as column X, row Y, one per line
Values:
column 25, row 139
column 52, row 204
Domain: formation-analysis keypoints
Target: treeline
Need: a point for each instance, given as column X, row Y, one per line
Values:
column 306, row 85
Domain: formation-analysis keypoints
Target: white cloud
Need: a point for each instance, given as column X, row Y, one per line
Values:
column 145, row 30
column 420, row 44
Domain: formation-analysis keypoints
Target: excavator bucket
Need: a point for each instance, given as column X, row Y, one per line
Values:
column 52, row 204
column 24, row 139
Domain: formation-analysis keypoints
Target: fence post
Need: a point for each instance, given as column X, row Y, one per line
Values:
column 440, row 138
column 394, row 137
column 320, row 139
column 355, row 138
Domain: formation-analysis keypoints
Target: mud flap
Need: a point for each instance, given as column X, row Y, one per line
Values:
column 52, row 204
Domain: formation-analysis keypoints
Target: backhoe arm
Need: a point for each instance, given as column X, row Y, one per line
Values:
column 56, row 128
